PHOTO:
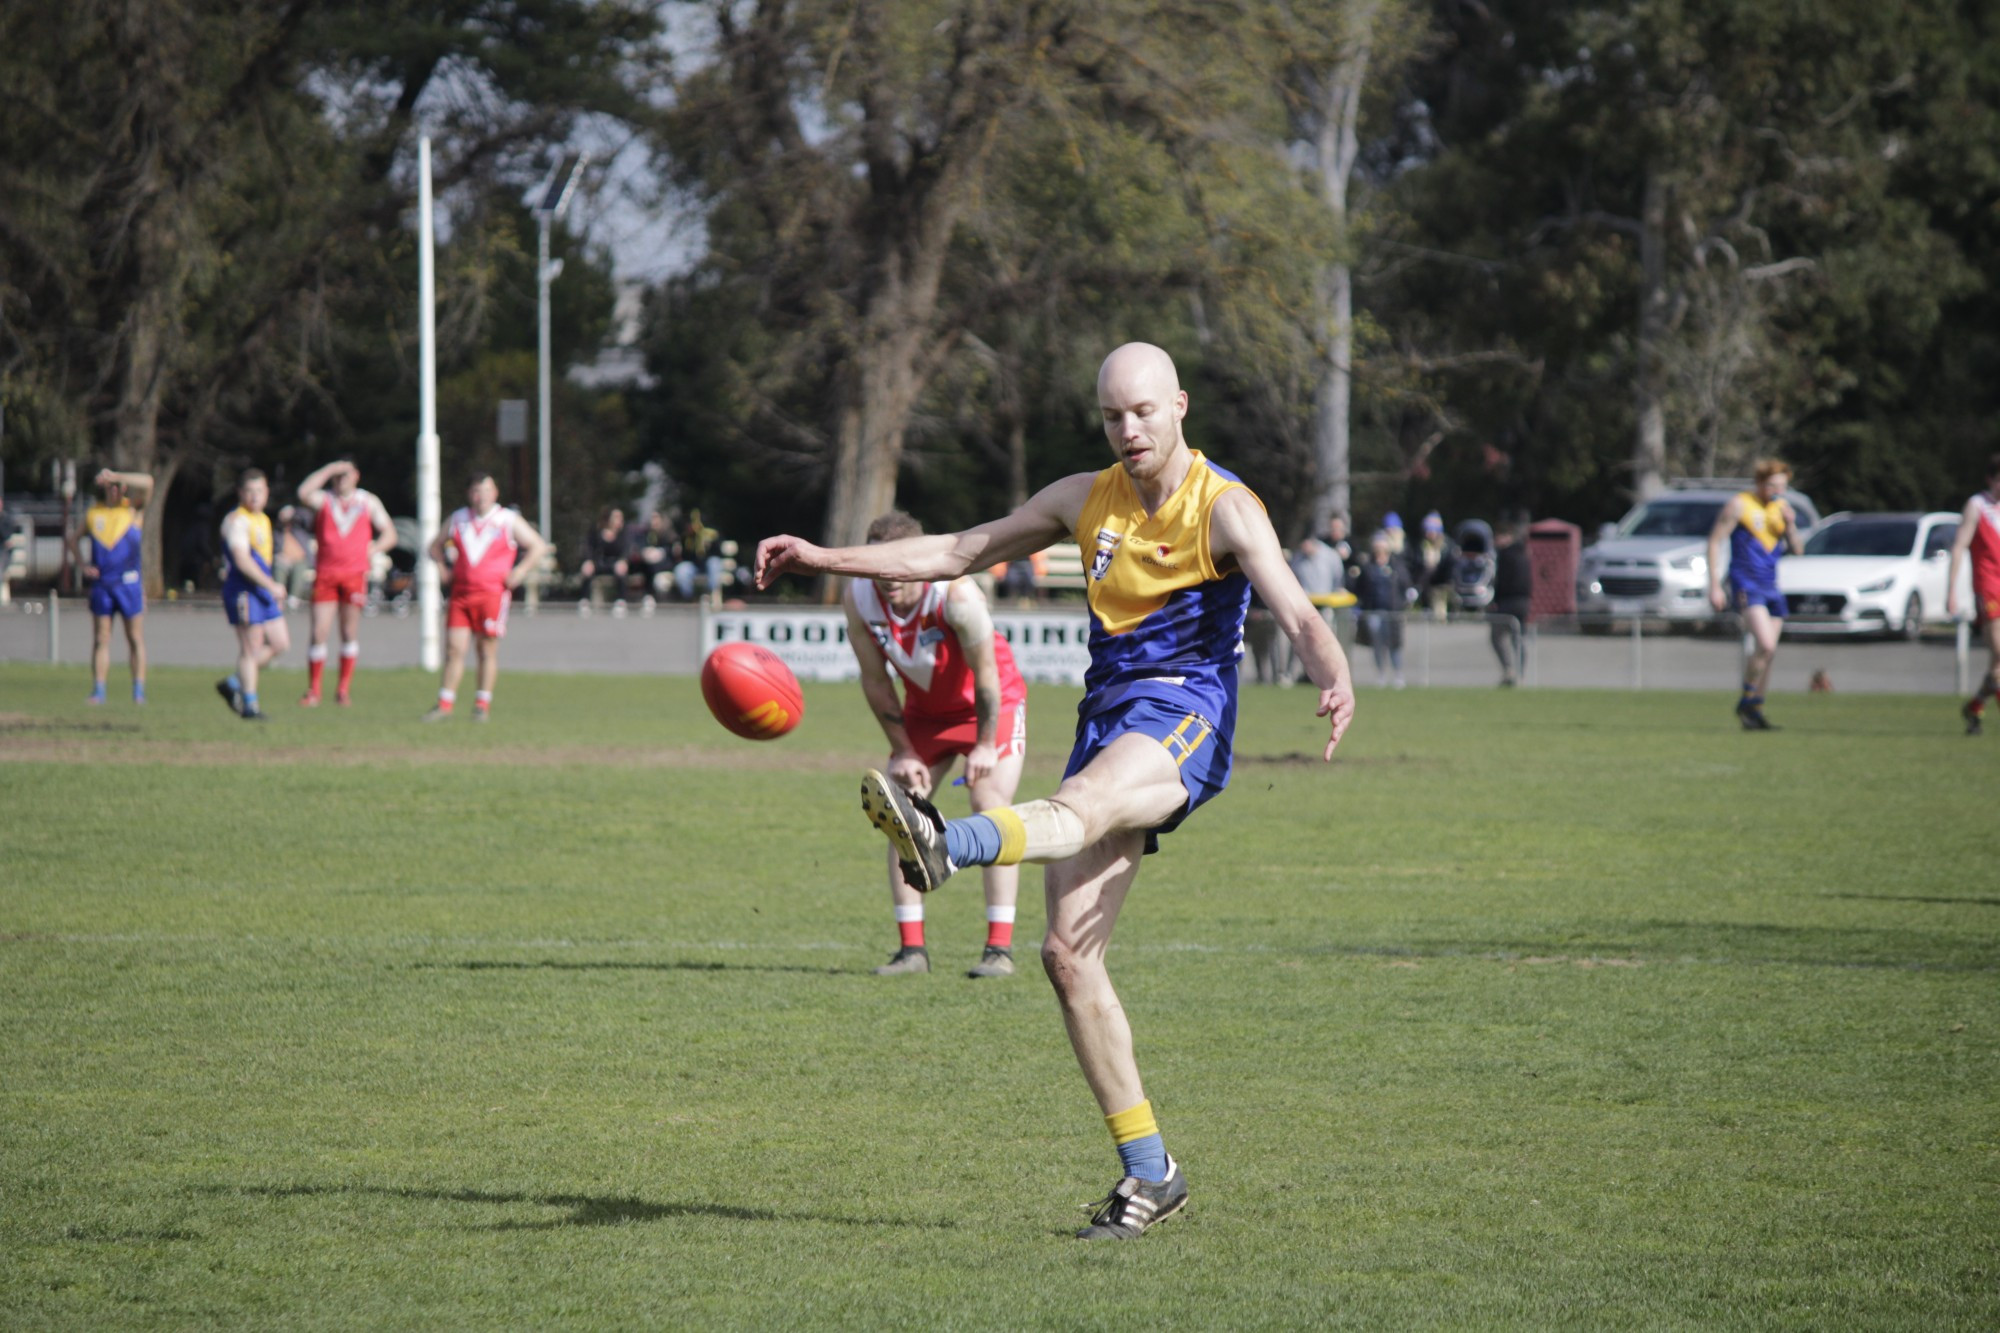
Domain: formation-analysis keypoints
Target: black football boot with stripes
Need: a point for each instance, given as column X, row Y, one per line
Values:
column 1134, row 1205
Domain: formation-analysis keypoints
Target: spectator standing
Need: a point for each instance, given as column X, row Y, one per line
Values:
column 1336, row 540
column 1382, row 595
column 1430, row 565
column 607, row 554
column 1513, row 598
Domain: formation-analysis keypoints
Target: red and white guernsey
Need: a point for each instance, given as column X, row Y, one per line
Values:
column 1986, row 548
column 925, row 652
column 344, row 529
column 486, row 550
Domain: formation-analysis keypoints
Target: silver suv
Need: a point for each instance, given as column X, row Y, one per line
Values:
column 1654, row 564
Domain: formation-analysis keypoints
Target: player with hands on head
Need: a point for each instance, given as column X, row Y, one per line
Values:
column 112, row 540
column 1760, row 526
column 1979, row 537
column 1177, row 546
column 350, row 528
column 492, row 550
column 961, row 696
column 253, row 600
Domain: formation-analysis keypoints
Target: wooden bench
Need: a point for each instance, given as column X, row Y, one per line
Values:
column 1062, row 569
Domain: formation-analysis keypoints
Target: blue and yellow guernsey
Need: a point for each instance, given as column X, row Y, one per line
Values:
column 115, row 537
column 259, row 528
column 1756, row 542
column 1165, row 623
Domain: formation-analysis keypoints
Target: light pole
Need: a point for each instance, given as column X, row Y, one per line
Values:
column 555, row 199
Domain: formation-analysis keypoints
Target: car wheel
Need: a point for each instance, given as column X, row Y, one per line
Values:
column 1913, row 618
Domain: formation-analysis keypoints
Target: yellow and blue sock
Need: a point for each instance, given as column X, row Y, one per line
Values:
column 1137, row 1135
column 995, row 838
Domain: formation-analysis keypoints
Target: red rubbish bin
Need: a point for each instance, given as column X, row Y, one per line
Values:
column 1554, row 549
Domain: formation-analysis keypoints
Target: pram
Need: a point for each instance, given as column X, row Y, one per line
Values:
column 1473, row 568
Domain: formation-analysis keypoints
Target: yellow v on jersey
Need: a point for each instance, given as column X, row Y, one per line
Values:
column 1164, row 618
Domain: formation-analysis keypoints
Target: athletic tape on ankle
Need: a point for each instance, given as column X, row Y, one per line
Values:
column 1013, row 835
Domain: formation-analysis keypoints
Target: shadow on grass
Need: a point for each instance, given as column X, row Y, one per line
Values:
column 550, row 965
column 1916, row 898
column 585, row 1210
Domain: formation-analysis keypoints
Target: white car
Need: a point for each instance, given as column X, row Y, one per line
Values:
column 1870, row 574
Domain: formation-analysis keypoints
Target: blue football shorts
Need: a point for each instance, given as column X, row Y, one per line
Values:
column 1195, row 742
column 250, row 606
column 121, row 595
column 1743, row 596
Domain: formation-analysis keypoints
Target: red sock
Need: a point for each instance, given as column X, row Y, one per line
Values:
column 912, row 933
column 314, row 670
column 999, row 934
column 346, row 673
column 1977, row 706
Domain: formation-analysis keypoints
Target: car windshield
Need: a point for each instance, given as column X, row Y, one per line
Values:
column 1865, row 536
column 1671, row 518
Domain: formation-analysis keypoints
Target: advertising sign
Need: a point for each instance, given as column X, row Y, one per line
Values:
column 1050, row 647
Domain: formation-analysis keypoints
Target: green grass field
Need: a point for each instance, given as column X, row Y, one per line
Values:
column 1533, row 1010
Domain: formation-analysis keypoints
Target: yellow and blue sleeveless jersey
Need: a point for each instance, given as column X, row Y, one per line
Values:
column 115, row 538
column 1756, row 542
column 260, row 549
column 1165, row 622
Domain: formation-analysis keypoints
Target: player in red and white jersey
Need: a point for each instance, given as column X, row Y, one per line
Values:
column 1979, row 535
column 350, row 528
column 961, row 696
column 484, row 542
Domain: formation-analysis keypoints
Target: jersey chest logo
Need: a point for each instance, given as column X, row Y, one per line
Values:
column 1107, row 546
column 344, row 513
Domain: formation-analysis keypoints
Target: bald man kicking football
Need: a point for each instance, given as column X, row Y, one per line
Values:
column 1178, row 544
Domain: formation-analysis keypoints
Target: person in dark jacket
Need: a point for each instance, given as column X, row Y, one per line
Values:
column 1513, row 598
column 1382, row 595
column 607, row 554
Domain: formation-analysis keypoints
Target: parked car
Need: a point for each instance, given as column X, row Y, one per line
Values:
column 1870, row 574
column 1654, row 564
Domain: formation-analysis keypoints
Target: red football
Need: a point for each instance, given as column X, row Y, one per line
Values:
column 751, row 691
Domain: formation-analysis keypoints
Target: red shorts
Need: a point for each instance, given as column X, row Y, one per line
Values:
column 483, row 612
column 1985, row 600
column 938, row 739
column 349, row 589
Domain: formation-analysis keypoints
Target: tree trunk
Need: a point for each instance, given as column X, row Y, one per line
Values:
column 1649, row 447
column 1339, row 112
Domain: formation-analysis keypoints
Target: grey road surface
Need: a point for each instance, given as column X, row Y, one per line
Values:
column 668, row 643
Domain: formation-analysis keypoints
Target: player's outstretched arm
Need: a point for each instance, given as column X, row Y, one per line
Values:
column 1968, row 523
column 1048, row 517
column 1238, row 528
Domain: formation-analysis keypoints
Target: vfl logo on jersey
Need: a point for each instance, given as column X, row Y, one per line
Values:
column 1107, row 546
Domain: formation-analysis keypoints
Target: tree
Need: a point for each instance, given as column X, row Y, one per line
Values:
column 205, row 172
